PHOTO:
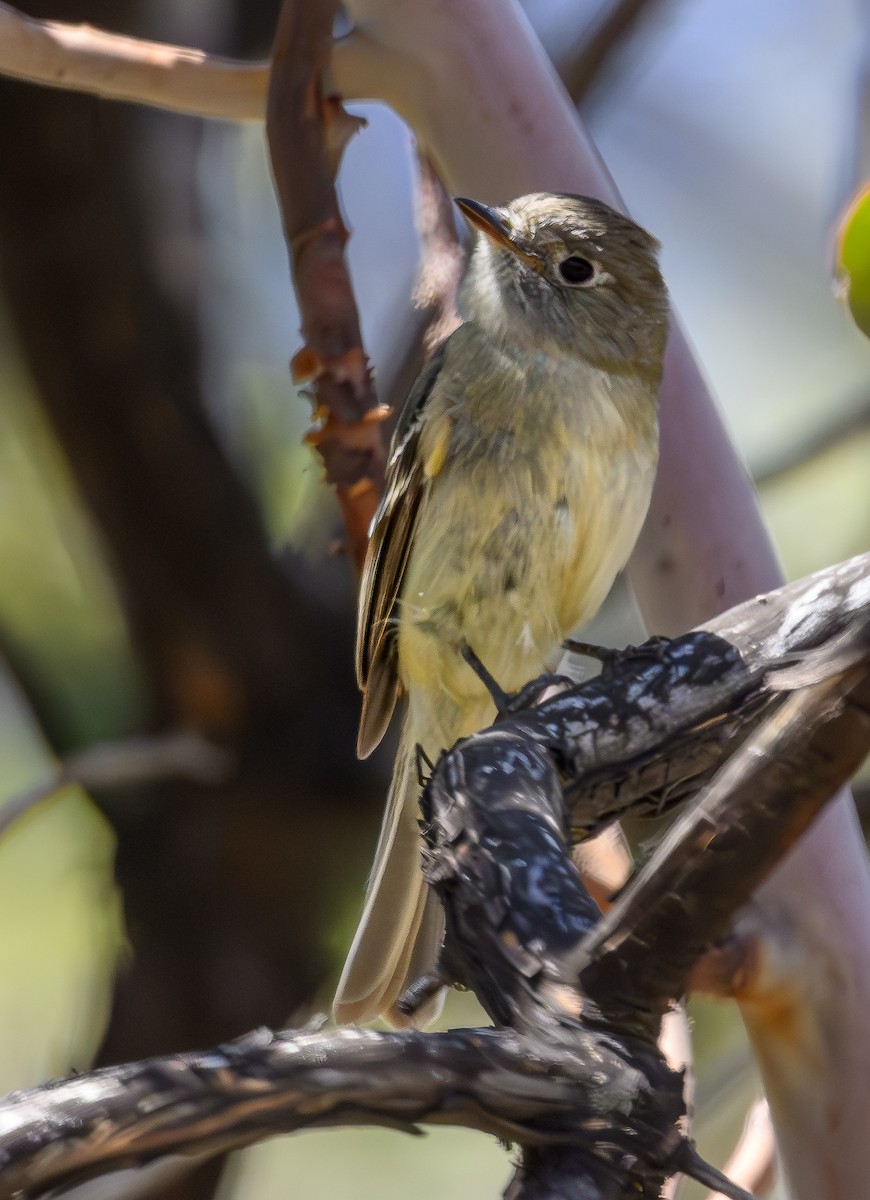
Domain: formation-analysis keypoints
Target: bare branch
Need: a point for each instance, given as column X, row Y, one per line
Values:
column 442, row 259
column 307, row 129
column 180, row 754
column 711, row 687
column 81, row 58
column 753, row 1163
column 827, row 436
column 268, row 1083
column 582, row 69
column 650, row 727
column 714, row 858
column 572, row 1071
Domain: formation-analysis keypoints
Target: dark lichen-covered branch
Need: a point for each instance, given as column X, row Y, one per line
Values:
column 269, row 1083
column 572, row 1071
column 685, row 897
column 662, row 717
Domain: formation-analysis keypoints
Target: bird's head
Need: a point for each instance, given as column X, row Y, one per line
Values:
column 567, row 274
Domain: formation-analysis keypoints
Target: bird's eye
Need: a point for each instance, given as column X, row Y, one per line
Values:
column 576, row 269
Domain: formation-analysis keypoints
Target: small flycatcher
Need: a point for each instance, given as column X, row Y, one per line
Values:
column 519, row 477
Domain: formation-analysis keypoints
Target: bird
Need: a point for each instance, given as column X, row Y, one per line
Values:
column 517, row 482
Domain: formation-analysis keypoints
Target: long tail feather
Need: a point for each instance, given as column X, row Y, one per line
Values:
column 383, row 958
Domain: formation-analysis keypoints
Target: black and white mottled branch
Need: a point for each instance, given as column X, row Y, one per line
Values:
column 778, row 691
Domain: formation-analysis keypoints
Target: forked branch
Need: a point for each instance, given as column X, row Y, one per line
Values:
column 571, row 1071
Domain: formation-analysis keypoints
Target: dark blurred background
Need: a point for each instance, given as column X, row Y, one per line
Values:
column 167, row 548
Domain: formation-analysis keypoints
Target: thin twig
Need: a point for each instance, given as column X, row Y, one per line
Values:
column 127, row 762
column 827, row 437
column 753, row 1163
column 442, row 257
column 583, row 68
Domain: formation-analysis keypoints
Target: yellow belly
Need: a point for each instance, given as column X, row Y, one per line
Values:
column 511, row 561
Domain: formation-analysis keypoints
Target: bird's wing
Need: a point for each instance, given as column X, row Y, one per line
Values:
column 389, row 548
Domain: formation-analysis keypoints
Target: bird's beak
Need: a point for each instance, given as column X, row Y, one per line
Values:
column 488, row 221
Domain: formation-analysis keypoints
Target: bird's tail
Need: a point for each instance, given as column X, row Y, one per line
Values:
column 402, row 925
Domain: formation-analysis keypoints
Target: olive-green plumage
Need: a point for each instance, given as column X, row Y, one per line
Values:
column 518, row 480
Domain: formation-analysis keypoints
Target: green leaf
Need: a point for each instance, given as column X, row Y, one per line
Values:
column 853, row 258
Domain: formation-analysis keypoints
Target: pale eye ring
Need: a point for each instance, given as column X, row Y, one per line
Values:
column 576, row 270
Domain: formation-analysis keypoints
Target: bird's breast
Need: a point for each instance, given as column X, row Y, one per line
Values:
column 537, row 495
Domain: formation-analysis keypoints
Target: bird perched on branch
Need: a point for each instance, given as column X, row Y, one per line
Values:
column 519, row 476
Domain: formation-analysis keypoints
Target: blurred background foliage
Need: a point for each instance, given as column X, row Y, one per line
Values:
column 154, row 488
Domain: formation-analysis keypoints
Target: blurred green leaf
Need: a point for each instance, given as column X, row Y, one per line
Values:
column 853, row 258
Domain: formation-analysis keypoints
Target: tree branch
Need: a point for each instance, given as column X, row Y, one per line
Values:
column 127, row 762
column 618, row 24
column 692, row 699
column 267, row 1083
column 81, row 58
column 442, row 257
column 572, row 1070
column 685, row 897
column 753, row 1163
column 307, row 130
